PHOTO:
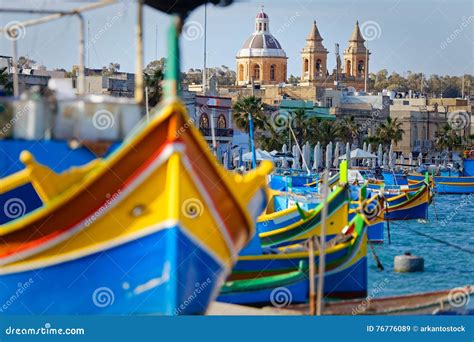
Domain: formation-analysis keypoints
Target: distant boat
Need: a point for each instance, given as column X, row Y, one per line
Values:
column 267, row 279
column 448, row 185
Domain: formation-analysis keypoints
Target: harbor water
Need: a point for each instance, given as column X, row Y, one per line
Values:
column 446, row 243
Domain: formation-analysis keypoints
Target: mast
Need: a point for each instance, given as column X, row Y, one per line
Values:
column 139, row 52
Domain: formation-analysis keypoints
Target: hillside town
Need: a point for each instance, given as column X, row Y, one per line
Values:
column 433, row 112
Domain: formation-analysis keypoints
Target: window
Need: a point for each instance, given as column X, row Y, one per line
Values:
column 256, row 71
column 221, row 122
column 360, row 67
column 265, row 27
column 406, row 102
column 318, row 66
column 204, row 121
column 329, row 102
column 348, row 67
column 260, row 26
column 241, row 72
column 272, row 73
column 306, row 65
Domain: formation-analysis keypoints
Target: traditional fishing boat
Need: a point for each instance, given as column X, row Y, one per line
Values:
column 147, row 230
column 408, row 205
column 282, row 225
column 373, row 208
column 281, row 277
column 448, row 185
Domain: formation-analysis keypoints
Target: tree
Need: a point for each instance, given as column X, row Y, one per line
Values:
column 327, row 132
column 111, row 69
column 24, row 62
column 447, row 139
column 249, row 105
column 380, row 80
column 390, row 132
column 293, row 79
column 347, row 129
column 5, row 82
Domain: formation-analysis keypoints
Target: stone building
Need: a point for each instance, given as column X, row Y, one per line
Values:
column 261, row 60
column 421, row 120
column 356, row 56
column 262, row 66
column 314, row 56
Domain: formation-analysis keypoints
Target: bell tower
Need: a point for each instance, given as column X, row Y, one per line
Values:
column 314, row 56
column 356, row 56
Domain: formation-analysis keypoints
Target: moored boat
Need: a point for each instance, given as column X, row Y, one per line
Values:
column 140, row 232
column 267, row 279
column 448, row 185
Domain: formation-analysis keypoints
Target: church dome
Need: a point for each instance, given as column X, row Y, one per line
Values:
column 261, row 43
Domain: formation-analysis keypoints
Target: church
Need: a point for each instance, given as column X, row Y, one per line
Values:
column 263, row 61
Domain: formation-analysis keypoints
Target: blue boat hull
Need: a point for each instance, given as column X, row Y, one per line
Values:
column 164, row 272
column 375, row 232
column 394, row 179
column 417, row 212
column 348, row 283
column 457, row 185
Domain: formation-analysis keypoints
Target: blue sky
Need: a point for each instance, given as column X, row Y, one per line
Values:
column 429, row 36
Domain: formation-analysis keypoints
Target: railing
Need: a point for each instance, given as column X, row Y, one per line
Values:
column 220, row 132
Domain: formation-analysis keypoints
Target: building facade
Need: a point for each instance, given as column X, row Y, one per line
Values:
column 214, row 111
column 261, row 60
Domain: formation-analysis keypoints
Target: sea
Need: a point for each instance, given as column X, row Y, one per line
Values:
column 445, row 241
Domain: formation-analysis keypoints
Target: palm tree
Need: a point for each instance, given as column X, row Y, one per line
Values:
column 327, row 132
column 347, row 129
column 390, row 131
column 249, row 105
column 447, row 139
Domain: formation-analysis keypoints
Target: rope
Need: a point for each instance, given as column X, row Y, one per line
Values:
column 447, row 243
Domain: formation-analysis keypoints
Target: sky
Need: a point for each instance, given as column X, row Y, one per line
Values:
column 429, row 36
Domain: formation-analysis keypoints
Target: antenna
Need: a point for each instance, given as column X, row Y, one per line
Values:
column 204, row 80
